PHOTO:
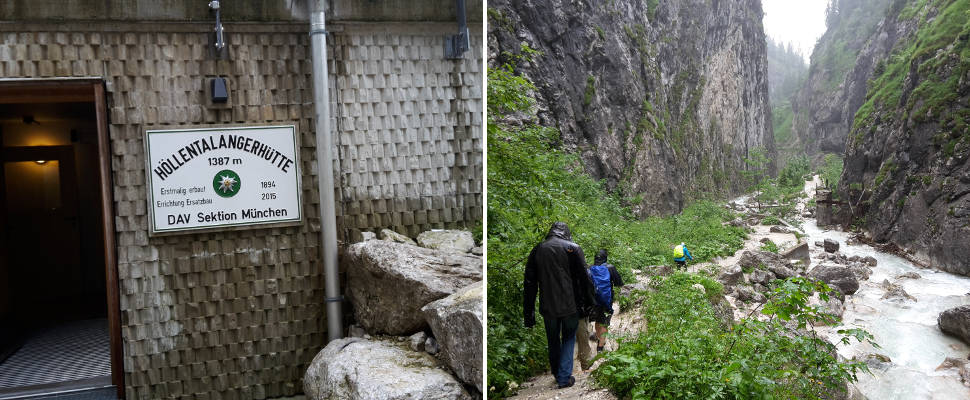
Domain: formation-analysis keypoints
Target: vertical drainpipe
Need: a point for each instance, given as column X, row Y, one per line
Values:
column 328, row 220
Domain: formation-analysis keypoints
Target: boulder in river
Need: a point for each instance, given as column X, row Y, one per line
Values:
column 839, row 277
column 895, row 292
column 389, row 282
column 870, row 260
column 961, row 365
column 455, row 241
column 956, row 322
column 355, row 368
column 831, row 246
column 908, row 275
column 878, row 362
column 861, row 271
column 457, row 323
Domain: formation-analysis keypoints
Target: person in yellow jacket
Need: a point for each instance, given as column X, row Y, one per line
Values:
column 681, row 255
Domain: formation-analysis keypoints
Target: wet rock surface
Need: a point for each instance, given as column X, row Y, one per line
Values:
column 895, row 292
column 830, row 245
column 956, row 322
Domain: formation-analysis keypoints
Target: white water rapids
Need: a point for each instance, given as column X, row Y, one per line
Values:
column 907, row 331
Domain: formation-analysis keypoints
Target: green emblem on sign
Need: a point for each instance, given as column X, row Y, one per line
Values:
column 226, row 183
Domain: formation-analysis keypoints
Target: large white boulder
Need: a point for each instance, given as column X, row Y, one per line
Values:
column 389, row 282
column 355, row 368
column 457, row 323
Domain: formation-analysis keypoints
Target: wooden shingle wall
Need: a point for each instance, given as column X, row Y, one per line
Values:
column 239, row 314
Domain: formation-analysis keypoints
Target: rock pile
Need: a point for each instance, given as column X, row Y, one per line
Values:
column 764, row 267
column 419, row 321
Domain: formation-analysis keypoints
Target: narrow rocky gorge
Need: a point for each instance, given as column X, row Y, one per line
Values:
column 888, row 91
column 662, row 101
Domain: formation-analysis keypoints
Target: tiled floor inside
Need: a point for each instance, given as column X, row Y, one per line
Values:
column 77, row 352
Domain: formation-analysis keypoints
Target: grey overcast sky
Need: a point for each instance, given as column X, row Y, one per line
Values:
column 800, row 22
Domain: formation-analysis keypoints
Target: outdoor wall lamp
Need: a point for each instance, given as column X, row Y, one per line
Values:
column 218, row 91
column 220, row 40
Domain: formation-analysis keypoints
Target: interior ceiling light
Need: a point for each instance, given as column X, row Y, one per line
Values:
column 41, row 161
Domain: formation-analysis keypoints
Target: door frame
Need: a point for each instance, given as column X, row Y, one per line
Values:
column 86, row 89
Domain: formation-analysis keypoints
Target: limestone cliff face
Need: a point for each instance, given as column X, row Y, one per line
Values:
column 906, row 170
column 662, row 99
column 824, row 107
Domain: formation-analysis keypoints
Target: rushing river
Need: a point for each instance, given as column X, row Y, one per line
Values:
column 906, row 331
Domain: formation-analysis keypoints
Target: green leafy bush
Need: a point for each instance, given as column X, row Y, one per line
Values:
column 685, row 354
column 769, row 246
column 770, row 220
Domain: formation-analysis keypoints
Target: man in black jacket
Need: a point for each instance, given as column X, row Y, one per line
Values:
column 557, row 270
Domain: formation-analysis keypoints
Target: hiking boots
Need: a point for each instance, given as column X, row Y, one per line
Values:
column 572, row 381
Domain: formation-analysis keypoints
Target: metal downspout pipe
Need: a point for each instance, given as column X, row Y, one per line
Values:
column 328, row 219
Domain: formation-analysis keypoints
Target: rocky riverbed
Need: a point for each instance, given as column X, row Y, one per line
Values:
column 895, row 300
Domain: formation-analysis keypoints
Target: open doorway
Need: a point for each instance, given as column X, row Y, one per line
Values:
column 59, row 325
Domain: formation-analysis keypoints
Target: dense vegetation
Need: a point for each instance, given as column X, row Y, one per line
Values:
column 532, row 184
column 685, row 353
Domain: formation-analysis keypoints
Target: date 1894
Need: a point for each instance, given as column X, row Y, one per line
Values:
column 268, row 185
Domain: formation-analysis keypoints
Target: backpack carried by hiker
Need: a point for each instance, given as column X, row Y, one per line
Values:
column 602, row 286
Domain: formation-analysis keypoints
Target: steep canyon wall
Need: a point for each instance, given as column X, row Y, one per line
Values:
column 662, row 100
